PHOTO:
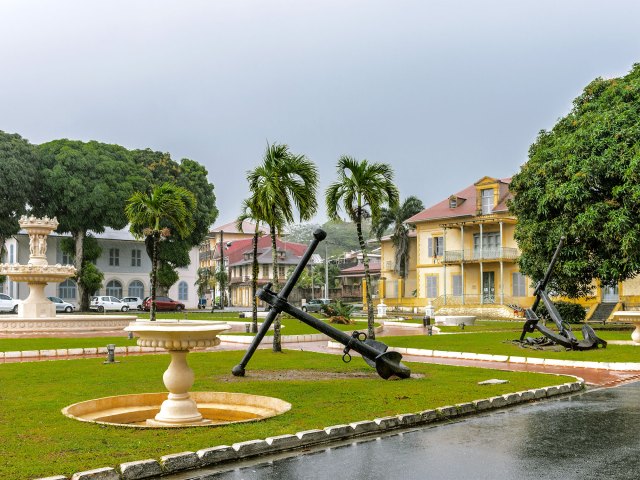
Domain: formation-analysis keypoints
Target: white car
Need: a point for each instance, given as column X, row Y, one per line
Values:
column 134, row 303
column 61, row 305
column 8, row 304
column 104, row 303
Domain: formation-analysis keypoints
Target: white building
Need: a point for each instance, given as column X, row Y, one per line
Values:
column 124, row 262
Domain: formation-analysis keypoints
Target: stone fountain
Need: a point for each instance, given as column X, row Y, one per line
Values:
column 36, row 314
column 180, row 408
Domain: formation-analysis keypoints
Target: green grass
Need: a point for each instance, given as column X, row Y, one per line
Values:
column 37, row 440
column 293, row 326
column 495, row 343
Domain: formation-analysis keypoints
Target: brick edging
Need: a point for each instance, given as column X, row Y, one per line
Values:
column 617, row 366
column 221, row 454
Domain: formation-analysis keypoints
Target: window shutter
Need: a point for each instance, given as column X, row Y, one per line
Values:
column 430, row 246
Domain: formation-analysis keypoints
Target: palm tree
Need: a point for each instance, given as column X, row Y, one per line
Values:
column 362, row 189
column 400, row 237
column 154, row 214
column 251, row 212
column 284, row 182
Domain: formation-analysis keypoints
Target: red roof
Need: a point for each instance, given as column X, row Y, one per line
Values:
column 466, row 208
column 374, row 267
column 236, row 250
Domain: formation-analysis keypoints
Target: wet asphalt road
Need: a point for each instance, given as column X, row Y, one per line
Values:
column 594, row 435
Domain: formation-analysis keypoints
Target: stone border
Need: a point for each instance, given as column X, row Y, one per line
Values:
column 72, row 352
column 222, row 454
column 617, row 366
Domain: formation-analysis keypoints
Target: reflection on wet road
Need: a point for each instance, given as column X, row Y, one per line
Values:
column 594, row 435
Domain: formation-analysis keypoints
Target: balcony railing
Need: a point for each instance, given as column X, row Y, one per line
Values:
column 476, row 254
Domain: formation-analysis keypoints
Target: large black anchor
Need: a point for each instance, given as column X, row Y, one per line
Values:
column 375, row 353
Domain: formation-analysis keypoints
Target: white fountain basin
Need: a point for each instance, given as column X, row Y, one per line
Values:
column 454, row 320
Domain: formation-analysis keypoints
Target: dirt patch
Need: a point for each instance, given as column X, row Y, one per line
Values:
column 304, row 375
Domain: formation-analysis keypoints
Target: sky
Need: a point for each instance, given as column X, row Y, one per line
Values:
column 445, row 92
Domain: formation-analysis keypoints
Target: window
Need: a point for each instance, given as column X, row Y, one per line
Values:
column 114, row 257
column 114, row 289
column 432, row 286
column 456, row 281
column 136, row 289
column 67, row 289
column 265, row 271
column 136, row 257
column 11, row 253
column 280, row 271
column 438, row 246
column 487, row 201
column 65, row 259
column 183, row 291
column 453, row 202
column 518, row 285
column 490, row 245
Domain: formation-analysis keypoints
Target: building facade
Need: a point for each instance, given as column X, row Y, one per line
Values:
column 124, row 262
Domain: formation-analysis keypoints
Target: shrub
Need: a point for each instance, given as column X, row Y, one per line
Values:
column 339, row 312
column 570, row 312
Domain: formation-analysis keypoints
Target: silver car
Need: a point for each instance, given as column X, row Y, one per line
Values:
column 316, row 304
column 105, row 302
column 8, row 304
column 134, row 303
column 61, row 305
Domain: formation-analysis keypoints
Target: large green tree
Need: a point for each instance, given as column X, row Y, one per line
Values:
column 582, row 181
column 166, row 210
column 362, row 189
column 395, row 217
column 283, row 184
column 18, row 180
column 85, row 185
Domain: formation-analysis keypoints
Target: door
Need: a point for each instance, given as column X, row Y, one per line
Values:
column 610, row 294
column 488, row 287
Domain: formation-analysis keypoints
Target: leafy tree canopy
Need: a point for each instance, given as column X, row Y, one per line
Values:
column 582, row 180
column 18, row 179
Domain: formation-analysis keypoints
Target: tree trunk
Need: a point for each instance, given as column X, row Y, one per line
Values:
column 277, row 345
column 254, row 282
column 83, row 294
column 154, row 275
column 365, row 259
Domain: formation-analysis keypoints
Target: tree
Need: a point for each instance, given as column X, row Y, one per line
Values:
column 252, row 212
column 282, row 184
column 582, row 180
column 90, row 278
column 173, row 253
column 361, row 190
column 86, row 185
column 396, row 216
column 167, row 207
column 18, row 179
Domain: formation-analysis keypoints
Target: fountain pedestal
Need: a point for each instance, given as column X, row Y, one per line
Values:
column 177, row 337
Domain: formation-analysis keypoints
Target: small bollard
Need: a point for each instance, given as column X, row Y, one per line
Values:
column 462, row 325
column 130, row 336
column 426, row 320
column 429, row 330
column 111, row 354
column 247, row 327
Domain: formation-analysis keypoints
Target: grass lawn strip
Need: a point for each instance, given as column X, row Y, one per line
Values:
column 497, row 343
column 39, row 441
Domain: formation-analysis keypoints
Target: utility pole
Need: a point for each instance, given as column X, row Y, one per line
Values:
column 326, row 272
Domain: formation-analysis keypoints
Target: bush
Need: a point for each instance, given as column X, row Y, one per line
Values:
column 570, row 312
column 339, row 312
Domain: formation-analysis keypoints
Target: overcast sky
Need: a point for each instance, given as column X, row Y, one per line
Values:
column 444, row 91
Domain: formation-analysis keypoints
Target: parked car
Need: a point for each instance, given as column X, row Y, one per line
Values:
column 8, row 304
column 163, row 303
column 315, row 305
column 61, row 305
column 105, row 303
column 134, row 303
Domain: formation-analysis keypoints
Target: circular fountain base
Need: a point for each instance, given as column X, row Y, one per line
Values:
column 216, row 408
column 64, row 323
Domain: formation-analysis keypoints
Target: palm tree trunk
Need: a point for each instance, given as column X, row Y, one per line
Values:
column 367, row 277
column 277, row 345
column 154, row 275
column 254, row 282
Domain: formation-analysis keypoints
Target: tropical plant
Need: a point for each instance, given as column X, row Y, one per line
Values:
column 251, row 211
column 362, row 189
column 339, row 312
column 396, row 216
column 282, row 184
column 154, row 215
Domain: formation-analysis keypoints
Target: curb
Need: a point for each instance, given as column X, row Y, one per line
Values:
column 71, row 352
column 617, row 366
column 221, row 454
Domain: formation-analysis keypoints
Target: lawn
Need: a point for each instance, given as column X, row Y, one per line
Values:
column 39, row 441
column 293, row 326
column 498, row 343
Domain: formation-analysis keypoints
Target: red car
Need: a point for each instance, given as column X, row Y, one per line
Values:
column 162, row 303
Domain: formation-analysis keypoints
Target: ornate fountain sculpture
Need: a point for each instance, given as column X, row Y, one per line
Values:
column 37, row 273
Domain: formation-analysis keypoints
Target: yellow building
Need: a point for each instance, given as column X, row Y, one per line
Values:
column 463, row 256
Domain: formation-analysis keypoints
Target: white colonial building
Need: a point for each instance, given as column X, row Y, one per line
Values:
column 124, row 262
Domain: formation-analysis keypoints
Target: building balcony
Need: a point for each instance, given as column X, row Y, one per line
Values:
column 471, row 255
